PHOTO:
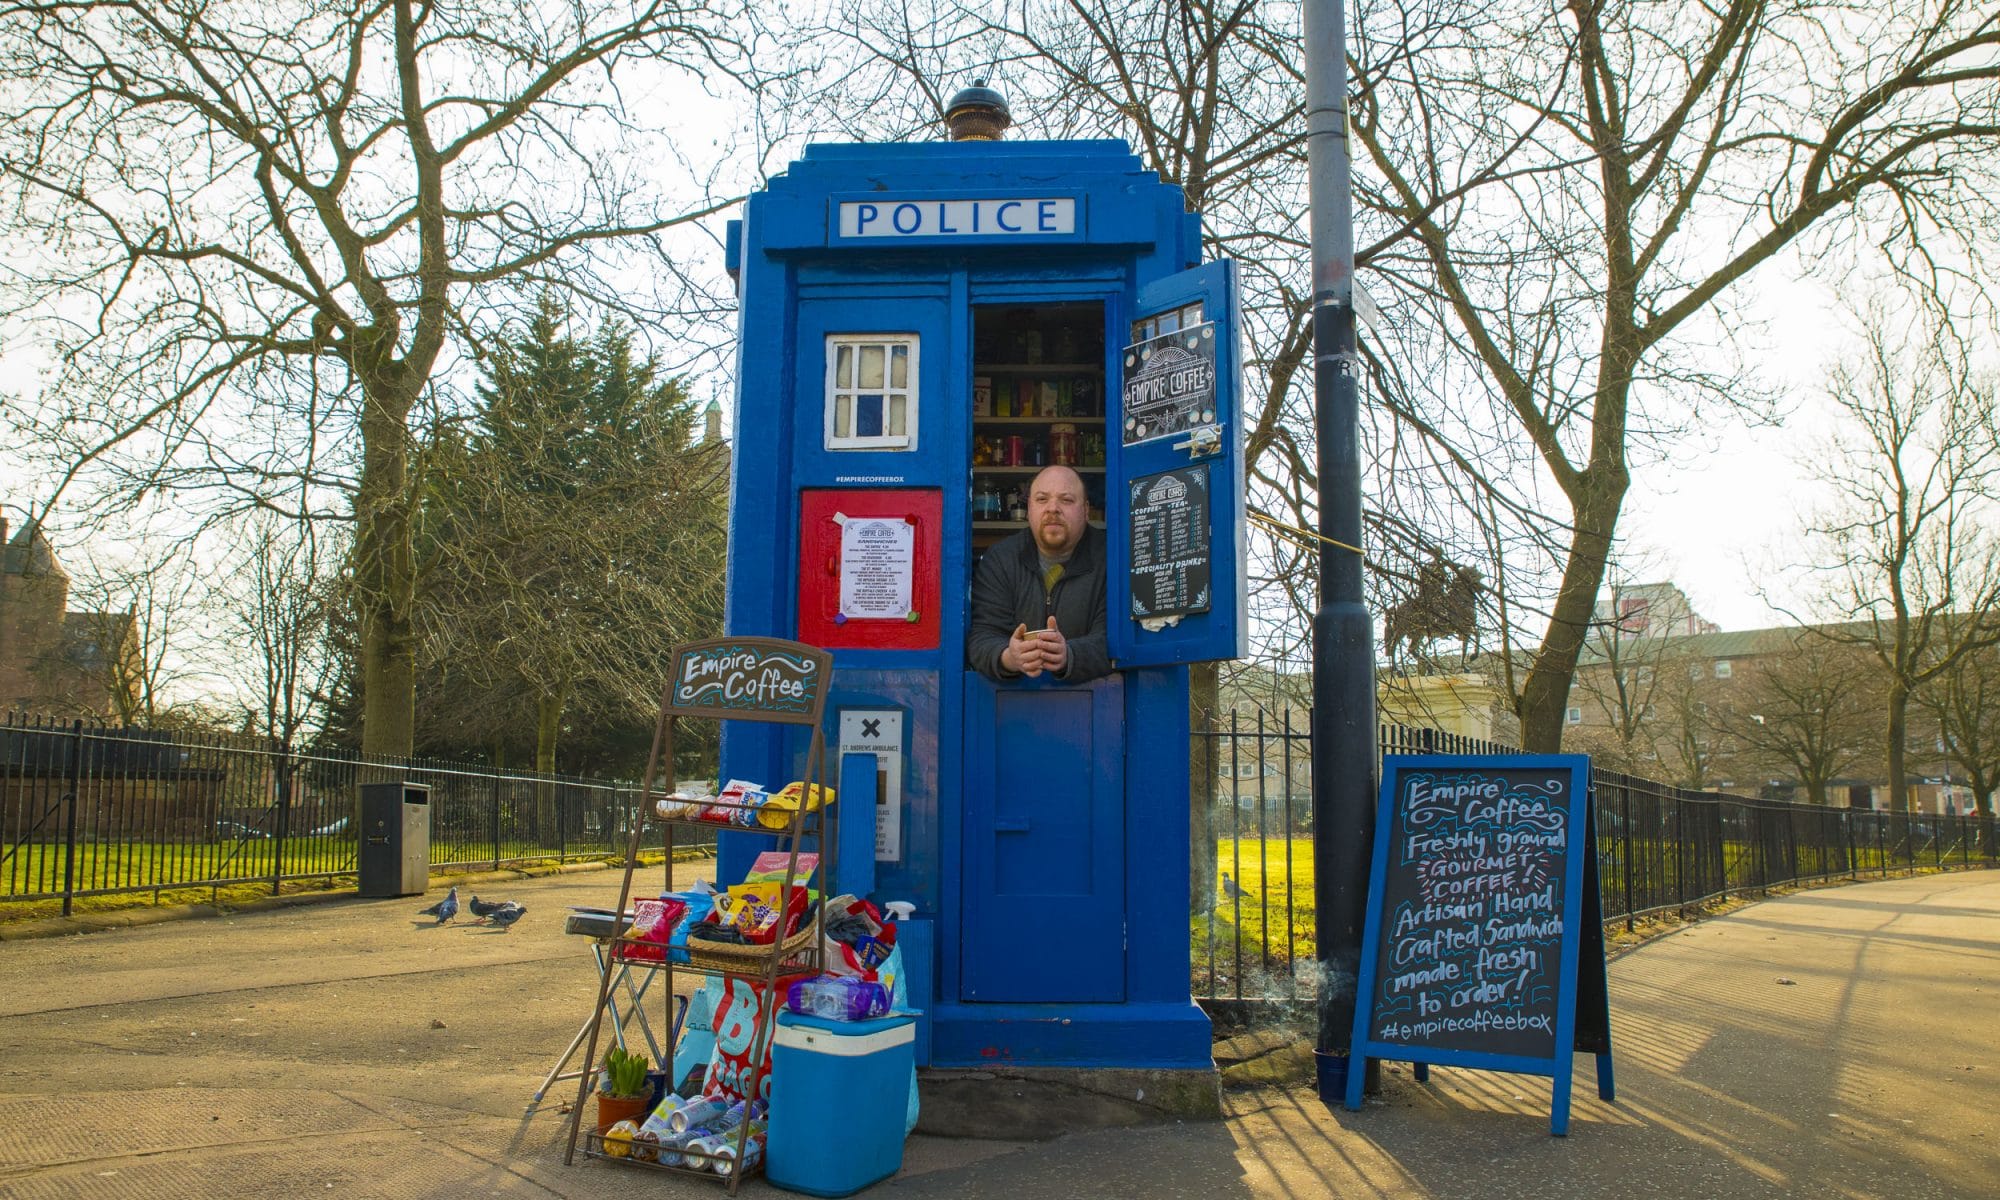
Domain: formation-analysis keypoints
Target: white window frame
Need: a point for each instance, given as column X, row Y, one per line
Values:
column 1573, row 715
column 1724, row 668
column 838, row 389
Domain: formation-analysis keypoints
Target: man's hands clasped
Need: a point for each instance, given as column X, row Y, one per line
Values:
column 1032, row 653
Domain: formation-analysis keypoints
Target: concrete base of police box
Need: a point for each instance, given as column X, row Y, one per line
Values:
column 1033, row 1103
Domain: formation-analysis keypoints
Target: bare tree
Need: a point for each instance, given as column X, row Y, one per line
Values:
column 275, row 609
column 1658, row 155
column 1803, row 707
column 1910, row 544
column 263, row 217
column 128, row 616
column 1964, row 704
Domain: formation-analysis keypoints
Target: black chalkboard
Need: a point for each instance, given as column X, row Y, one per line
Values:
column 1169, row 566
column 1482, row 892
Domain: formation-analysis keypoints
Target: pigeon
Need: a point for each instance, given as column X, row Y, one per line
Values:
column 1231, row 888
column 486, row 908
column 445, row 909
column 506, row 913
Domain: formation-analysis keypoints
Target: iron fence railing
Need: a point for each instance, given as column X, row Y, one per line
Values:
column 1659, row 847
column 88, row 811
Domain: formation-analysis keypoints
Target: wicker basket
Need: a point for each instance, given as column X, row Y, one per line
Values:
column 728, row 956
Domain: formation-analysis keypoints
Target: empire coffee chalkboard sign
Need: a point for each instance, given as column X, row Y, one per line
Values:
column 1169, row 566
column 1483, row 893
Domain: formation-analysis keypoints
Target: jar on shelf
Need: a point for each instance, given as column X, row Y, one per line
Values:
column 986, row 502
column 1017, row 508
column 1064, row 447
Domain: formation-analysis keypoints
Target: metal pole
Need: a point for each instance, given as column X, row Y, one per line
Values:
column 1343, row 636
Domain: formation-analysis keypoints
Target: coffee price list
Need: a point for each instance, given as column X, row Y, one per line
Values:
column 1470, row 941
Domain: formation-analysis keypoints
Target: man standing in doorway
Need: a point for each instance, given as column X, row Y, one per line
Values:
column 1038, row 596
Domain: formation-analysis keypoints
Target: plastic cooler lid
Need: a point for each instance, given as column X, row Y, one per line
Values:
column 799, row 1031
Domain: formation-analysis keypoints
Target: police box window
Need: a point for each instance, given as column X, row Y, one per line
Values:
column 871, row 391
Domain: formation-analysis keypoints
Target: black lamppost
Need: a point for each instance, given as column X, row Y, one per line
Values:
column 1343, row 722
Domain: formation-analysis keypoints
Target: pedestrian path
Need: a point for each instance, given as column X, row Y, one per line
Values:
column 1839, row 1043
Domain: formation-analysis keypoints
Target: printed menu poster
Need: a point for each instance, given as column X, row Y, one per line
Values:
column 877, row 567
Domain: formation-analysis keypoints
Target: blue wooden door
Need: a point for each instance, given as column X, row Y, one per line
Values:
column 1044, row 843
column 1174, row 495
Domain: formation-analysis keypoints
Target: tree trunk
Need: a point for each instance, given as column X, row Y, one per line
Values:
column 1899, row 723
column 385, row 577
column 1545, row 693
column 548, row 724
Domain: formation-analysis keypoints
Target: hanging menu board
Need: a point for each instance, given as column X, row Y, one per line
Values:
column 1169, row 566
column 1482, row 891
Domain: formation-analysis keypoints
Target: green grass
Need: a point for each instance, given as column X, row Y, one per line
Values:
column 1271, row 925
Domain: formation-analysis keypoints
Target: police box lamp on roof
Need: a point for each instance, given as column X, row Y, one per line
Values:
column 977, row 114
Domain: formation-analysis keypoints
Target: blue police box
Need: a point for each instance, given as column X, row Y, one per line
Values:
column 922, row 328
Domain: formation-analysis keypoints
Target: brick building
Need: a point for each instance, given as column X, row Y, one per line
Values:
column 55, row 661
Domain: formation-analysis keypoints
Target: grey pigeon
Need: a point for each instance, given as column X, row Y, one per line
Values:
column 1231, row 888
column 506, row 913
column 486, row 908
column 445, row 909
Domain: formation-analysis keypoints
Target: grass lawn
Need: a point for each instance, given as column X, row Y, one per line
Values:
column 1256, row 937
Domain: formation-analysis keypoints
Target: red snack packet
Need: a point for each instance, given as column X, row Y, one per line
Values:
column 653, row 925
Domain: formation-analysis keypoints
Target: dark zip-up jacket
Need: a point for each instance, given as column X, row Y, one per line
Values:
column 1007, row 592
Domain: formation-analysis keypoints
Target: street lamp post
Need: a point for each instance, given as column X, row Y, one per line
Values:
column 1343, row 722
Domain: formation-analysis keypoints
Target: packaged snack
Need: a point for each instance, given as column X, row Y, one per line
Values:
column 770, row 868
column 653, row 925
column 681, row 806
column 776, row 811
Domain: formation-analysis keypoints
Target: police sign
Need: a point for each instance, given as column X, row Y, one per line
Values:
column 932, row 218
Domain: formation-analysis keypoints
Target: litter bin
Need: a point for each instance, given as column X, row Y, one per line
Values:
column 394, row 858
column 840, row 1094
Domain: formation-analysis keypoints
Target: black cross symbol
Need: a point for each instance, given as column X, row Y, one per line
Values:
column 871, row 728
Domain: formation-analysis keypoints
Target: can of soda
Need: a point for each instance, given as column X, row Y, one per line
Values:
column 696, row 1113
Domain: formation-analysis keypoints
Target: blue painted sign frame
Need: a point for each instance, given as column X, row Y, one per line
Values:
column 1582, row 926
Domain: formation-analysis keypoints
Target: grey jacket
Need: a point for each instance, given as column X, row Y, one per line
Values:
column 1007, row 592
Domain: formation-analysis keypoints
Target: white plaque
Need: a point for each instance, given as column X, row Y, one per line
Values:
column 877, row 567
column 879, row 731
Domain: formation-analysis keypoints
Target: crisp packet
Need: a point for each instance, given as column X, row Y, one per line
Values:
column 653, row 924
column 776, row 810
column 726, row 807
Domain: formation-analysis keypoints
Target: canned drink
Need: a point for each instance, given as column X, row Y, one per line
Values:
column 701, row 1151
column 697, row 1113
column 725, row 1155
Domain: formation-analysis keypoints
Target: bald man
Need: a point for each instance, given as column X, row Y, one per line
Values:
column 1038, row 596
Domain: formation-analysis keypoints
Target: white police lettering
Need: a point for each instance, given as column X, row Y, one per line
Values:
column 990, row 217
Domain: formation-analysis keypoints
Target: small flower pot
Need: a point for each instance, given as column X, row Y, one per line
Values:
column 613, row 1109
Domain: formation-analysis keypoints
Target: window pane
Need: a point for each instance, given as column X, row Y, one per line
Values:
column 843, row 367
column 843, row 415
column 871, row 367
column 899, row 407
column 899, row 366
column 868, row 411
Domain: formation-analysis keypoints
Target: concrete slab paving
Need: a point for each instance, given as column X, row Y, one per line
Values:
column 1839, row 1042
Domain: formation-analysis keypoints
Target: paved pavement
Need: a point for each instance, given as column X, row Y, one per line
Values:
column 1835, row 1043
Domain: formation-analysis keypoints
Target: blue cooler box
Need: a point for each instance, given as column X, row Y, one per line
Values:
column 840, row 1094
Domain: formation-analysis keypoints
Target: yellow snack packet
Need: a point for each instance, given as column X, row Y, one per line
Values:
column 777, row 811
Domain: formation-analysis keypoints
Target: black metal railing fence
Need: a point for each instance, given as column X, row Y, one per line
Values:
column 91, row 811
column 1660, row 848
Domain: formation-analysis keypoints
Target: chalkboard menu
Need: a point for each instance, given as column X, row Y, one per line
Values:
column 1169, row 383
column 752, row 678
column 1169, row 566
column 1483, row 888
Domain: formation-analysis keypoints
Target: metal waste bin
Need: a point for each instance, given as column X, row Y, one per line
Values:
column 394, row 857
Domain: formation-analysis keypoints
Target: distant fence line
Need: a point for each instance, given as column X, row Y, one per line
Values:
column 87, row 811
column 1660, row 848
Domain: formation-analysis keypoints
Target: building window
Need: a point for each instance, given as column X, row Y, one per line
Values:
column 871, row 391
column 1723, row 669
column 1574, row 716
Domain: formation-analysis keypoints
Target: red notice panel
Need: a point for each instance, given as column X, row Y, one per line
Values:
column 869, row 567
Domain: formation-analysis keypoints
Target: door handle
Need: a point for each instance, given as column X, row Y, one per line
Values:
column 1201, row 441
column 1010, row 824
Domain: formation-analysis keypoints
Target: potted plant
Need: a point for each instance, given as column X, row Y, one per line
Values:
column 622, row 1089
